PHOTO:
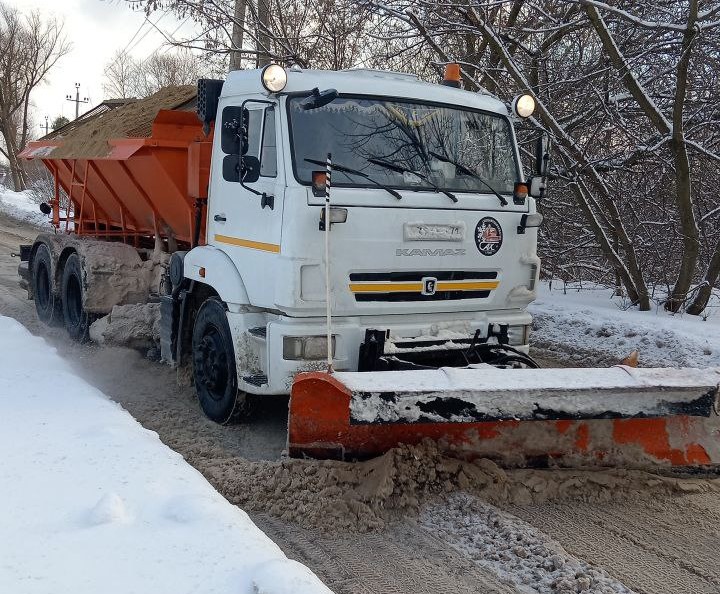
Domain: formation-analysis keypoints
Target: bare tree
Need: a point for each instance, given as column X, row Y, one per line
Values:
column 120, row 76
column 29, row 47
column 126, row 76
column 668, row 127
column 323, row 34
column 625, row 90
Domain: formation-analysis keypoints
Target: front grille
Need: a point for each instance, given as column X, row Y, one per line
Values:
column 411, row 296
column 407, row 286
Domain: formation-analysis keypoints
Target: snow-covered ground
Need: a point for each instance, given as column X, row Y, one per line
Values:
column 92, row 502
column 22, row 206
column 591, row 327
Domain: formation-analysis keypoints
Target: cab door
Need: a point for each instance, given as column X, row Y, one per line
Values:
column 246, row 203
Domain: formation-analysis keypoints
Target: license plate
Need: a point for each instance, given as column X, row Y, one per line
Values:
column 434, row 231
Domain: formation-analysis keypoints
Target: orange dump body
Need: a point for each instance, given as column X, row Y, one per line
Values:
column 143, row 188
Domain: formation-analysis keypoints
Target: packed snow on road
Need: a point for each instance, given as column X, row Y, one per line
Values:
column 95, row 503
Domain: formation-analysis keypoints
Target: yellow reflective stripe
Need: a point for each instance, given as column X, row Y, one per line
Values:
column 385, row 287
column 467, row 285
column 254, row 245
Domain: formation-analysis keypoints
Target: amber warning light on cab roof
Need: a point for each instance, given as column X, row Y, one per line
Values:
column 452, row 75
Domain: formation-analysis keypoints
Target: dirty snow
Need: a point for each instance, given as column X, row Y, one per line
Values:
column 513, row 549
column 590, row 327
column 135, row 326
column 95, row 503
column 22, row 206
column 488, row 392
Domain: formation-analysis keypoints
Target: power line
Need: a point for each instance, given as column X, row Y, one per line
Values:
column 127, row 47
column 144, row 35
column 171, row 37
column 142, row 24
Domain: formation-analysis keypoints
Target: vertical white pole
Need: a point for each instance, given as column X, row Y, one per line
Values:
column 328, row 311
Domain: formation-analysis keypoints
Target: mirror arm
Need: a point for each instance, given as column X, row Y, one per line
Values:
column 265, row 198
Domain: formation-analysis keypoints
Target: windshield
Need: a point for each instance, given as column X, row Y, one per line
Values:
column 420, row 140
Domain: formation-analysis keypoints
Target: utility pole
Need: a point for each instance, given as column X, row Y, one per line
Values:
column 77, row 100
column 46, row 125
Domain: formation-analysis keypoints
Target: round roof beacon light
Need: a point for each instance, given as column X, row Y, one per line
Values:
column 524, row 105
column 274, row 78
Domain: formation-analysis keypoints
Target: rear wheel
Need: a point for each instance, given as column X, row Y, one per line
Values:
column 47, row 305
column 77, row 320
column 214, row 369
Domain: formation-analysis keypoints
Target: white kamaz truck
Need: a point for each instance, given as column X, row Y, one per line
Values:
column 432, row 229
column 365, row 227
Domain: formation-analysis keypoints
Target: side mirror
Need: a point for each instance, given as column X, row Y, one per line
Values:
column 537, row 186
column 249, row 169
column 234, row 130
column 319, row 99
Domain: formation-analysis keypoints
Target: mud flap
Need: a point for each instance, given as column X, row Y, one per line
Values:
column 519, row 417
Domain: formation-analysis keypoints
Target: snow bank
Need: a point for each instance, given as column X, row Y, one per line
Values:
column 22, row 206
column 591, row 327
column 92, row 502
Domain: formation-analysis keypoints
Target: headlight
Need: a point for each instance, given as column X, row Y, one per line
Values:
column 308, row 348
column 519, row 335
column 524, row 105
column 274, row 78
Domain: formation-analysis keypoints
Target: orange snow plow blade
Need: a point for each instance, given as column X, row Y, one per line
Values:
column 520, row 417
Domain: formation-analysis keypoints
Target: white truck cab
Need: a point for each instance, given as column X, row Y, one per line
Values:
column 432, row 239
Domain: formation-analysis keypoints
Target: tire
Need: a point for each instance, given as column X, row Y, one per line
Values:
column 77, row 320
column 47, row 304
column 214, row 369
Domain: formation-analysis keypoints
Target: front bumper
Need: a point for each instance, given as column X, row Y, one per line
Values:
column 349, row 334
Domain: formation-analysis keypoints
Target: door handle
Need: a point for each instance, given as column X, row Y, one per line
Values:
column 219, row 218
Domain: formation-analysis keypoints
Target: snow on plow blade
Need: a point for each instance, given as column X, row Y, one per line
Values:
column 518, row 417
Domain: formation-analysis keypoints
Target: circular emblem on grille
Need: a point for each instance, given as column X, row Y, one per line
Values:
column 488, row 236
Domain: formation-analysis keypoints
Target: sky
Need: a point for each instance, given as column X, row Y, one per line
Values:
column 96, row 30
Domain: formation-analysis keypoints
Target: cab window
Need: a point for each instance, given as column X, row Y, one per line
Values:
column 268, row 160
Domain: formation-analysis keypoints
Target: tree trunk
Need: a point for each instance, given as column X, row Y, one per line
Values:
column 610, row 254
column 17, row 169
column 263, row 33
column 238, row 29
column 705, row 291
column 691, row 233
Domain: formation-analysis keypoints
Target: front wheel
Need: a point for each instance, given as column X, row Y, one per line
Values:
column 214, row 369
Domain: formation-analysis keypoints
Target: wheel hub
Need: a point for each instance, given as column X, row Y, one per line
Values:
column 212, row 364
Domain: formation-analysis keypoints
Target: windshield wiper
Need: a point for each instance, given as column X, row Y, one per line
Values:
column 401, row 169
column 466, row 171
column 352, row 171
